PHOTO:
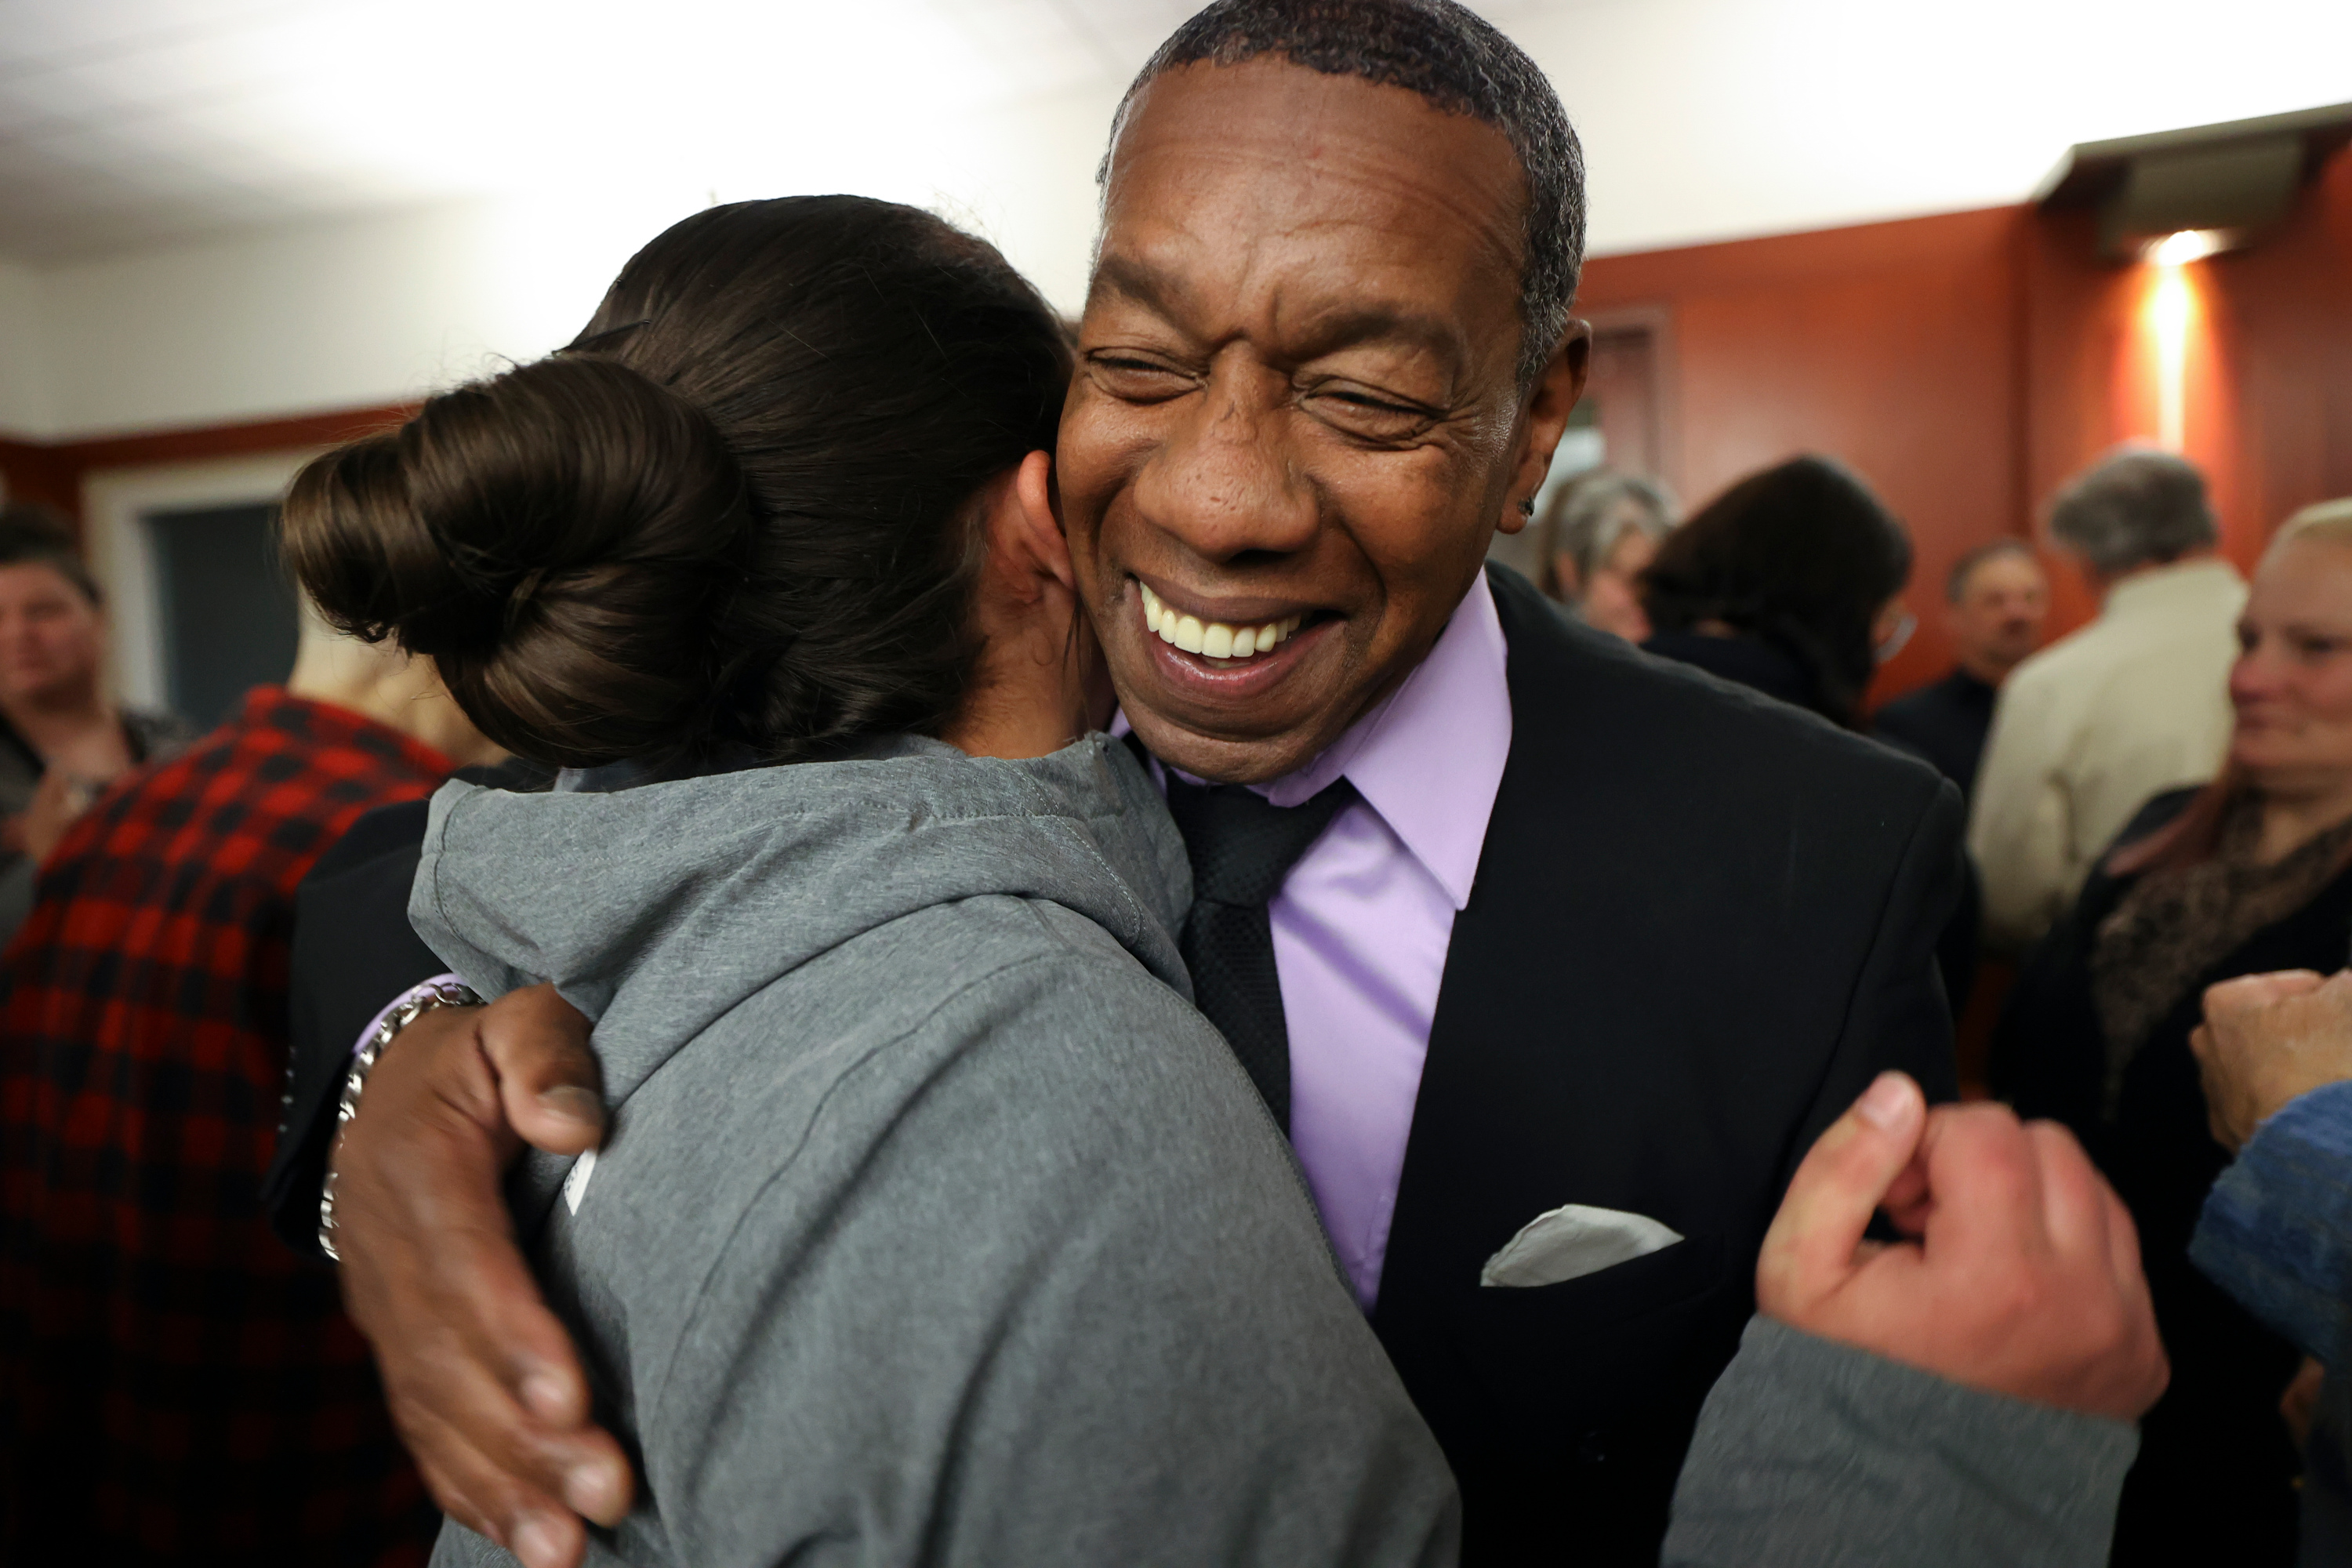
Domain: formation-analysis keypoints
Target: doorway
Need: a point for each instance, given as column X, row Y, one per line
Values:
column 1622, row 421
column 225, row 614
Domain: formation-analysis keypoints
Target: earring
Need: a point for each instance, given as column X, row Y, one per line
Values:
column 1527, row 507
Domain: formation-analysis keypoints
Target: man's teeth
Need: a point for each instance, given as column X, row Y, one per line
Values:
column 1212, row 638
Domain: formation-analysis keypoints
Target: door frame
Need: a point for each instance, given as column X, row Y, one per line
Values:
column 116, row 504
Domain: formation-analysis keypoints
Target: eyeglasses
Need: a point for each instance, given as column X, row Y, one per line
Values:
column 1896, row 641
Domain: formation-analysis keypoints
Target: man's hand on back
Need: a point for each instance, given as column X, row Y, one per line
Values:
column 2267, row 1039
column 2023, row 1277
column 483, row 1384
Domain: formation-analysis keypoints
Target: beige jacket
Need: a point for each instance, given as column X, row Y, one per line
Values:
column 2093, row 725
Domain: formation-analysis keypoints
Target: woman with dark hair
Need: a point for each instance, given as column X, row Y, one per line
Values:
column 2248, row 874
column 1787, row 582
column 934, row 1225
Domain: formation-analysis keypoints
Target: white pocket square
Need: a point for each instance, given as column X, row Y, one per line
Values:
column 1572, row 1241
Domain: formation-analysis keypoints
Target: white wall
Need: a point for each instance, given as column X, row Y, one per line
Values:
column 376, row 309
column 1702, row 120
column 25, row 405
column 326, row 315
column 1707, row 120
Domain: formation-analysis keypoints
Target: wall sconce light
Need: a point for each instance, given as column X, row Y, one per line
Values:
column 2182, row 247
column 2194, row 193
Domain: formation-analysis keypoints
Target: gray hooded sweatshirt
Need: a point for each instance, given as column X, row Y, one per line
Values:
column 935, row 1226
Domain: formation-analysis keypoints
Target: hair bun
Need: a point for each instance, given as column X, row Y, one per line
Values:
column 558, row 538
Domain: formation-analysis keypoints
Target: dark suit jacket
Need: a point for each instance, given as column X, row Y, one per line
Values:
column 1702, row 924
column 1946, row 722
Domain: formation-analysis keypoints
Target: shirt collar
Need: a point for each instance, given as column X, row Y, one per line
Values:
column 1428, row 757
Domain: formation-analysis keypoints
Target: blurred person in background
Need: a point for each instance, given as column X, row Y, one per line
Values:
column 1997, row 600
column 1791, row 582
column 175, row 1386
column 2089, row 729
column 2248, row 874
column 1599, row 534
column 1788, row 583
column 61, row 742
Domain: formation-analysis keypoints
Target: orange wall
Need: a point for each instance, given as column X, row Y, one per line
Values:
column 1891, row 346
column 2268, row 404
column 38, row 473
column 1967, row 364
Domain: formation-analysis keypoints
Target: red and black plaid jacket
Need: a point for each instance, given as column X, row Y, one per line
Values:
column 176, row 1385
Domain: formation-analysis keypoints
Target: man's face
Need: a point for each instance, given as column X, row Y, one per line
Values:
column 1295, row 424
column 50, row 635
column 1998, row 621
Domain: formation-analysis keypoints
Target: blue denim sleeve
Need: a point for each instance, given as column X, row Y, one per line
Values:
column 2276, row 1232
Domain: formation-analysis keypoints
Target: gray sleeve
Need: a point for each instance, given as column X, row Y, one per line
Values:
column 1068, row 1302
column 1815, row 1455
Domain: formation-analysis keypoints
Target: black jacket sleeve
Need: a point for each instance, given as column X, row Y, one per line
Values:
column 353, row 952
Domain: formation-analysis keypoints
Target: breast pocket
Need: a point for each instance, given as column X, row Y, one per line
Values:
column 1583, row 1349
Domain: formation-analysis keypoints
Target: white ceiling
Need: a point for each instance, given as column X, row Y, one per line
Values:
column 126, row 123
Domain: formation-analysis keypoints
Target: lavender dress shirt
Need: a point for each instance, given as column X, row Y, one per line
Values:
column 1363, row 924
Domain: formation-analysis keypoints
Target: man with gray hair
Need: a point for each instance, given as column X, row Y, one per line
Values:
column 2131, row 705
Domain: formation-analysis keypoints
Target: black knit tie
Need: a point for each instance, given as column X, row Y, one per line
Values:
column 1242, row 846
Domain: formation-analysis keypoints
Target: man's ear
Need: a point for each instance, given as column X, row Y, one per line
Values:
column 1028, row 529
column 1553, row 397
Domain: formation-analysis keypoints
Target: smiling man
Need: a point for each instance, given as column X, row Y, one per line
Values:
column 1582, row 930
column 1552, row 959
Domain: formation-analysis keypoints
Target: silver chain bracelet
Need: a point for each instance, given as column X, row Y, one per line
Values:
column 407, row 1011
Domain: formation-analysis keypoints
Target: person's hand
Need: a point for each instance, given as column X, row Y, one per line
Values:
column 2023, row 1276
column 2266, row 1040
column 483, row 1382
column 2299, row 1405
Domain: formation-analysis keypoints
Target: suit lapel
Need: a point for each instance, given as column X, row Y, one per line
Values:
column 1494, row 1089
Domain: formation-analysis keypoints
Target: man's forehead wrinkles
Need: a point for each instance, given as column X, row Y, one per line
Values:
column 1310, row 322
column 1292, row 286
column 1393, row 185
column 1125, row 274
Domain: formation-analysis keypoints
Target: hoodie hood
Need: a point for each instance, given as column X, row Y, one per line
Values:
column 729, row 882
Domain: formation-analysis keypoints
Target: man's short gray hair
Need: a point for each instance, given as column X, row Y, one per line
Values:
column 1459, row 63
column 2135, row 507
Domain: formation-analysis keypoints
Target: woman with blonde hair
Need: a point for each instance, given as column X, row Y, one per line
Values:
column 2250, row 873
